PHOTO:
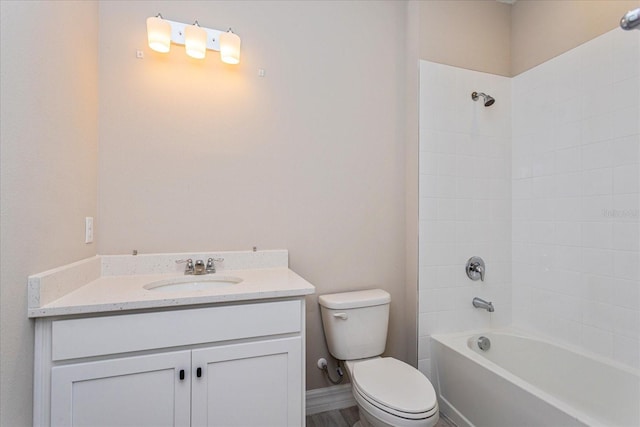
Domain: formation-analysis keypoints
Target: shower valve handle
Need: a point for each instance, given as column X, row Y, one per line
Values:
column 475, row 268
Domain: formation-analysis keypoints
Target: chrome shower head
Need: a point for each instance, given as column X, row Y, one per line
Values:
column 488, row 100
column 631, row 20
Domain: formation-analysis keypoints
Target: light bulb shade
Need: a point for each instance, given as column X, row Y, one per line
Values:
column 195, row 41
column 159, row 34
column 229, row 47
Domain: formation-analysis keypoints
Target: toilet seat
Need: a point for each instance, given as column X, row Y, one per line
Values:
column 378, row 417
column 394, row 387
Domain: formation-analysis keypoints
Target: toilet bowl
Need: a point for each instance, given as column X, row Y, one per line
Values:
column 388, row 391
column 392, row 393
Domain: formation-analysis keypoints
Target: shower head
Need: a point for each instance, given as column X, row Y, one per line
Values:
column 488, row 100
column 631, row 20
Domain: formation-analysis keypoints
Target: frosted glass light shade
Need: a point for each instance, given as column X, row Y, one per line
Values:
column 229, row 47
column 159, row 34
column 195, row 41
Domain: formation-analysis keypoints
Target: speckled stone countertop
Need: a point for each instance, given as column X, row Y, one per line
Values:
column 116, row 283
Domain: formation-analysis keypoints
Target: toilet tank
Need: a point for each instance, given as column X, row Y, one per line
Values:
column 355, row 323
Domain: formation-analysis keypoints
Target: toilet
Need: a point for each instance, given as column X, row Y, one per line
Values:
column 388, row 392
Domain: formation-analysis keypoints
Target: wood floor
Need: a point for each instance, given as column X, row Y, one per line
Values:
column 347, row 417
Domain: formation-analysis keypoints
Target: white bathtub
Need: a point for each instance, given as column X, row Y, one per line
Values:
column 527, row 381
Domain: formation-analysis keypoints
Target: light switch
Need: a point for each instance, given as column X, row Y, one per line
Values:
column 88, row 229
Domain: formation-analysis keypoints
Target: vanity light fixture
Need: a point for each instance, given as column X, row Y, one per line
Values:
column 230, row 47
column 159, row 34
column 196, row 39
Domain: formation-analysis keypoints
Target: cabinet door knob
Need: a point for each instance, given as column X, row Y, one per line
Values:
column 181, row 374
column 199, row 372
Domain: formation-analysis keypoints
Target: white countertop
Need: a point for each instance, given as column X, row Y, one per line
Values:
column 112, row 293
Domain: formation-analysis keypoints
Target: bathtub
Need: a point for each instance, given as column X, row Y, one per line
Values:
column 526, row 381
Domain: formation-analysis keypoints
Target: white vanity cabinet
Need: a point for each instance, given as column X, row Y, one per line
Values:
column 220, row 365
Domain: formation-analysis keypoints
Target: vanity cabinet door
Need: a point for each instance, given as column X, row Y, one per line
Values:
column 136, row 391
column 250, row 384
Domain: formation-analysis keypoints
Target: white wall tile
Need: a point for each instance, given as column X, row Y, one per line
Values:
column 626, row 265
column 603, row 338
column 599, row 100
column 624, row 92
column 626, row 208
column 568, row 135
column 597, row 155
column 585, row 283
column 625, row 236
column 597, row 235
column 626, row 293
column 595, row 208
column 569, row 184
column 466, row 195
column 597, row 182
column 598, row 261
column 625, row 122
column 569, row 110
column 543, row 186
column 569, row 160
column 625, row 150
column 627, row 350
column 627, row 322
column 626, row 56
column 598, row 128
column 626, row 179
column 568, row 233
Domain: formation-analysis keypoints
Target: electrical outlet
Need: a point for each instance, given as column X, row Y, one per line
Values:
column 88, row 229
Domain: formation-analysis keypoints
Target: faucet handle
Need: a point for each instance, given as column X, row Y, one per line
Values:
column 211, row 266
column 188, row 269
column 475, row 268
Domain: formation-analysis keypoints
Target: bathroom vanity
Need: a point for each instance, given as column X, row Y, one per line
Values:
column 117, row 351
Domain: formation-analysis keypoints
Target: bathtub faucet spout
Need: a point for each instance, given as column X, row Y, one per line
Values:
column 480, row 303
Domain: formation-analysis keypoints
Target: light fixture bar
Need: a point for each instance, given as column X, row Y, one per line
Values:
column 178, row 29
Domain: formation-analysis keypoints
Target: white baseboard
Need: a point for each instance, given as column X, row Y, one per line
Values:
column 329, row 398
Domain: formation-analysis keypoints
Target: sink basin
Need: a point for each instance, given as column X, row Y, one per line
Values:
column 192, row 283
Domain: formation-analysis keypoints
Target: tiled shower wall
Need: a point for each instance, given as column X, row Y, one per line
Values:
column 575, row 200
column 465, row 201
column 570, row 263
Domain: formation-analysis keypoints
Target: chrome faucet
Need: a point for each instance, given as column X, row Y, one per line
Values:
column 199, row 267
column 480, row 303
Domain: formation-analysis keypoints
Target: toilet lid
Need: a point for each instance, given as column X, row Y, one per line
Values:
column 395, row 385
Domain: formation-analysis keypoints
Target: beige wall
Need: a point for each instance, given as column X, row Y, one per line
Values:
column 198, row 156
column 503, row 39
column 48, row 98
column 471, row 34
column 542, row 29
